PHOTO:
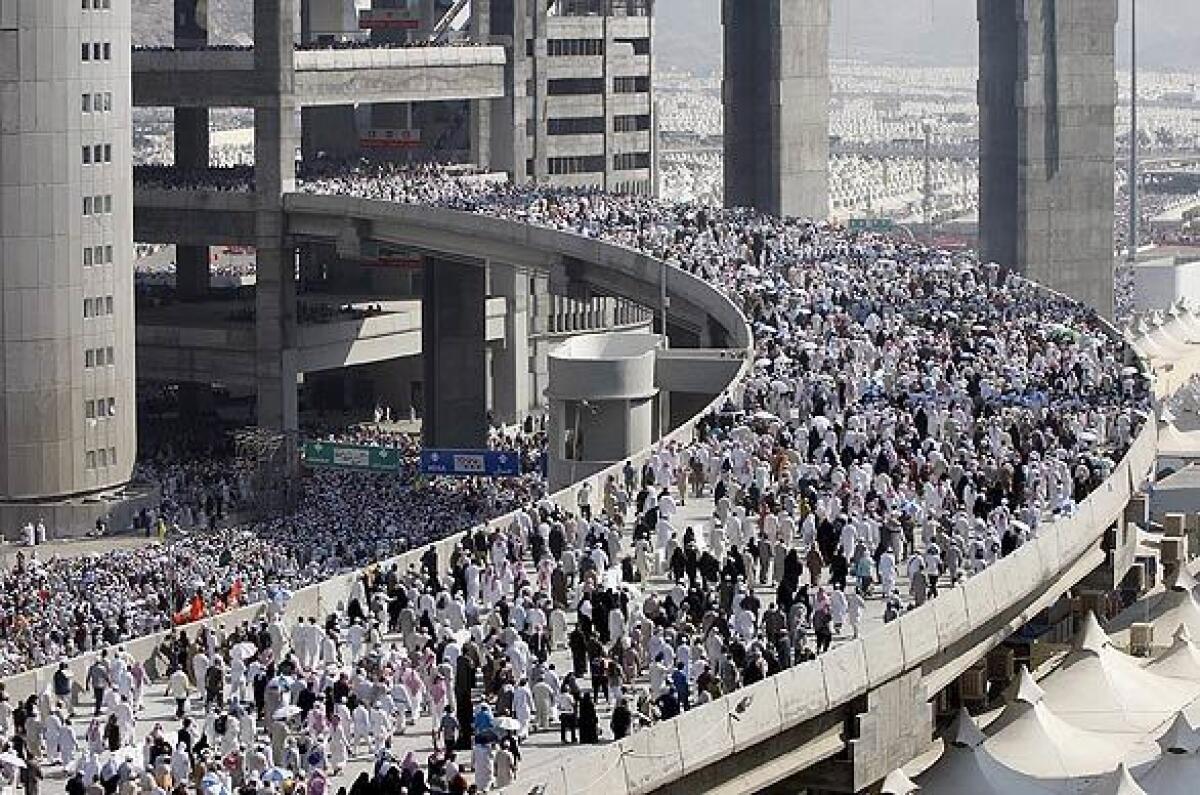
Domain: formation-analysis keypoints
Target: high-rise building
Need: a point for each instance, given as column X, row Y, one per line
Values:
column 67, row 412
column 581, row 109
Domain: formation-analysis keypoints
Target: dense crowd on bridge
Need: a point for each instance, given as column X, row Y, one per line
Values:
column 911, row 417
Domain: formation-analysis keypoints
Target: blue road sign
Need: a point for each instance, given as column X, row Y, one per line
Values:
column 471, row 463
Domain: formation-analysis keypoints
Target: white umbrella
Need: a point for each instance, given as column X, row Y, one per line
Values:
column 285, row 712
column 244, row 651
column 508, row 724
column 10, row 759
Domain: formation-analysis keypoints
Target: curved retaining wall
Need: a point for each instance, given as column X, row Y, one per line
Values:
column 707, row 734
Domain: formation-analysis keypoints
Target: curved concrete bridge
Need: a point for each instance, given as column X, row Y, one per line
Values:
column 839, row 723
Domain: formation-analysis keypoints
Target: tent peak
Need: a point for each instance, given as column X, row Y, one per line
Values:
column 965, row 732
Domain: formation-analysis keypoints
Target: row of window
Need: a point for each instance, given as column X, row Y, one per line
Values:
column 97, row 205
column 96, row 51
column 98, row 307
column 97, row 153
column 582, row 86
column 101, row 458
column 98, row 357
column 631, row 160
column 99, row 409
column 99, row 102
column 584, row 125
column 97, row 255
column 591, row 164
column 97, row 5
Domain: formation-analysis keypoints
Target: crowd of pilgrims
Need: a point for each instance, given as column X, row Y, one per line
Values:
column 910, row 418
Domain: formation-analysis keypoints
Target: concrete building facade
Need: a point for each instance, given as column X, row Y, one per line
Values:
column 67, row 422
column 580, row 111
column 1047, row 96
column 776, row 93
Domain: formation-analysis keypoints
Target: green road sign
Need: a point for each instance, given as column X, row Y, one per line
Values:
column 348, row 456
column 872, row 224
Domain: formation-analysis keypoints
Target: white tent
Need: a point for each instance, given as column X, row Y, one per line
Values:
column 967, row 766
column 1102, row 690
column 1177, row 770
column 1119, row 782
column 1181, row 660
column 1029, row 738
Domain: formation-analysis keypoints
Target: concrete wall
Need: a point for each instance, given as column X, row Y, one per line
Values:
column 1047, row 93
column 775, row 94
column 50, row 447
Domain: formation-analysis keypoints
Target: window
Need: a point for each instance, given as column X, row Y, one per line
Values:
column 108, row 203
column 99, row 258
column 102, row 454
column 575, row 47
column 108, row 153
column 87, row 155
column 86, row 51
column 110, row 409
column 96, row 50
column 632, row 123
column 576, row 165
column 107, row 51
column 90, row 459
column 107, row 101
column 87, row 103
column 87, row 205
column 87, row 257
column 112, row 451
column 575, row 126
column 108, row 356
column 89, row 409
column 640, row 46
column 108, row 255
column 108, row 305
column 631, row 85
column 567, row 86
column 87, row 307
column 89, row 358
column 631, row 160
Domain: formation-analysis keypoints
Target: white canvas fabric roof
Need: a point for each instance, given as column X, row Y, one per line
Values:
column 971, row 768
column 1181, row 660
column 1171, row 774
column 1029, row 738
column 1119, row 782
column 1102, row 690
column 1174, row 443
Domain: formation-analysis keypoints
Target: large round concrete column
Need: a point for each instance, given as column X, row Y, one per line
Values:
column 602, row 399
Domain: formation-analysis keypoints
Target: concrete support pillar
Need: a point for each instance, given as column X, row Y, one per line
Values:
column 192, row 273
column 452, row 341
column 191, row 149
column 776, row 100
column 1047, row 97
column 275, row 141
column 512, row 396
column 506, row 22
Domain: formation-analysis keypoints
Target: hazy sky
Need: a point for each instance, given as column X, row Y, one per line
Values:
column 932, row 32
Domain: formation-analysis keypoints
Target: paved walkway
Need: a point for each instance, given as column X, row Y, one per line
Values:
column 543, row 751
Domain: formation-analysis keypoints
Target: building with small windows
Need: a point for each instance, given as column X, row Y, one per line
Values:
column 67, row 419
column 581, row 112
